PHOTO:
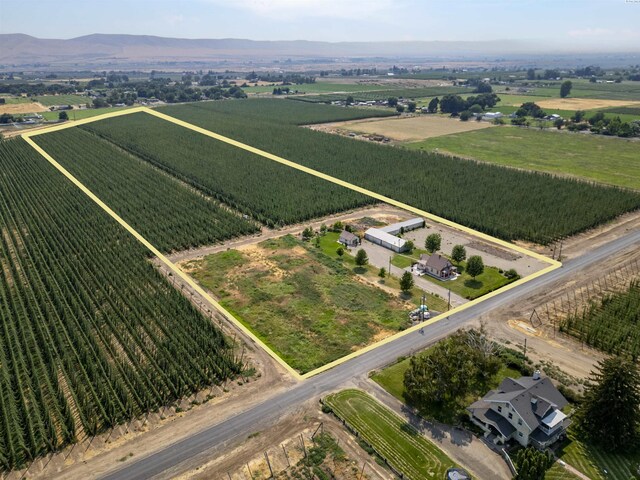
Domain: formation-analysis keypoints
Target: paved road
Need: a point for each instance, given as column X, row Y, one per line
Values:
column 244, row 423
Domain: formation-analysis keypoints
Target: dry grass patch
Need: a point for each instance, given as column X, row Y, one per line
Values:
column 19, row 108
column 412, row 129
column 582, row 103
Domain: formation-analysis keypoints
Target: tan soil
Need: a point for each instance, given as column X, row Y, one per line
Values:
column 582, row 103
column 405, row 128
column 284, row 436
column 15, row 108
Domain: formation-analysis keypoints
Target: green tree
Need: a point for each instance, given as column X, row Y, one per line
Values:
column 464, row 116
column 410, row 245
column 531, row 74
column 349, row 100
column 307, row 233
column 63, row 115
column 565, row 88
column 392, row 101
column 558, row 123
column 433, row 105
column 411, row 106
column 433, row 242
column 578, row 116
column 609, row 416
column 362, row 258
column 475, row 266
column 406, row 282
column 458, row 253
column 399, row 108
column 340, row 251
column 532, row 464
column 382, row 272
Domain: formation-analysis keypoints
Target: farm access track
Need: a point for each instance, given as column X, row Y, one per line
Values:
column 552, row 264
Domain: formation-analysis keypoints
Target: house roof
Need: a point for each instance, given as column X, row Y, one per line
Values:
column 533, row 399
column 348, row 236
column 436, row 261
column 482, row 411
column 385, row 237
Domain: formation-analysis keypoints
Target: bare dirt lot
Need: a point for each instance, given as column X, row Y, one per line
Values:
column 582, row 103
column 404, row 129
column 16, row 108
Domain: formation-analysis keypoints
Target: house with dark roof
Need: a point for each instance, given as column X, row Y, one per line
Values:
column 437, row 266
column 348, row 239
column 527, row 410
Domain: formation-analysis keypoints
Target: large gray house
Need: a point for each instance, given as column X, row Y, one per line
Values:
column 527, row 410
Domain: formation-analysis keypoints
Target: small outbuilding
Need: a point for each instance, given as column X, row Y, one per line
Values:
column 386, row 240
column 349, row 239
column 437, row 266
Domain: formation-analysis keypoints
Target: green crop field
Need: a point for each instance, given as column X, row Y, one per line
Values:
column 384, row 94
column 503, row 202
column 631, row 111
column 92, row 335
column 593, row 462
column 592, row 157
column 84, row 113
column 318, row 87
column 584, row 89
column 269, row 192
column 50, row 100
column 289, row 112
column 166, row 212
column 611, row 325
column 392, row 438
column 309, row 308
column 10, row 100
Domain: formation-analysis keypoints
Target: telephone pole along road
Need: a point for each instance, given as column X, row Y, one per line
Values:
column 244, row 423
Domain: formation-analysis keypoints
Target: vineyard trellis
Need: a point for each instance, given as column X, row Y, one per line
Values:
column 603, row 313
column 271, row 193
column 92, row 335
column 168, row 213
column 502, row 202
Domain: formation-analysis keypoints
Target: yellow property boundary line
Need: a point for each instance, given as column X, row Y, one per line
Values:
column 553, row 264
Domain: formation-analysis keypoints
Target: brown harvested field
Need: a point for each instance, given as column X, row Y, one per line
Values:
column 582, row 103
column 410, row 129
column 15, row 108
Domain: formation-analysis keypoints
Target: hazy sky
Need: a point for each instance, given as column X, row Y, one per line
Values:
column 614, row 24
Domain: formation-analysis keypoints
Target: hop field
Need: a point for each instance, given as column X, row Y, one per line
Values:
column 503, row 202
column 269, row 192
column 613, row 325
column 406, row 93
column 91, row 335
column 166, row 212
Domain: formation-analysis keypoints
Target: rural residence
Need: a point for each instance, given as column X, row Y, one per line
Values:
column 437, row 266
column 527, row 410
column 349, row 239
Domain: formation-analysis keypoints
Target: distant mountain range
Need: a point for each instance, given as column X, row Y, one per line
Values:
column 119, row 51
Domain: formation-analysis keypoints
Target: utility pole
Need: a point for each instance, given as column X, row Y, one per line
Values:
column 449, row 301
column 525, row 348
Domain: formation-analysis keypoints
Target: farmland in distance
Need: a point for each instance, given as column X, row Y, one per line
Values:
column 503, row 202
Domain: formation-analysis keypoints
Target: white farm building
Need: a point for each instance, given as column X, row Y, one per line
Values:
column 386, row 240
column 406, row 226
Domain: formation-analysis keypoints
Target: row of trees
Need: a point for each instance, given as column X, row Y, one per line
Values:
column 93, row 335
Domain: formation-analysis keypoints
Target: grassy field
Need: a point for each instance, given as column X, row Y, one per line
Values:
column 84, row 113
column 50, row 100
column 9, row 100
column 614, row 161
column 593, row 461
column 392, row 438
column 465, row 286
column 311, row 309
column 558, row 472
